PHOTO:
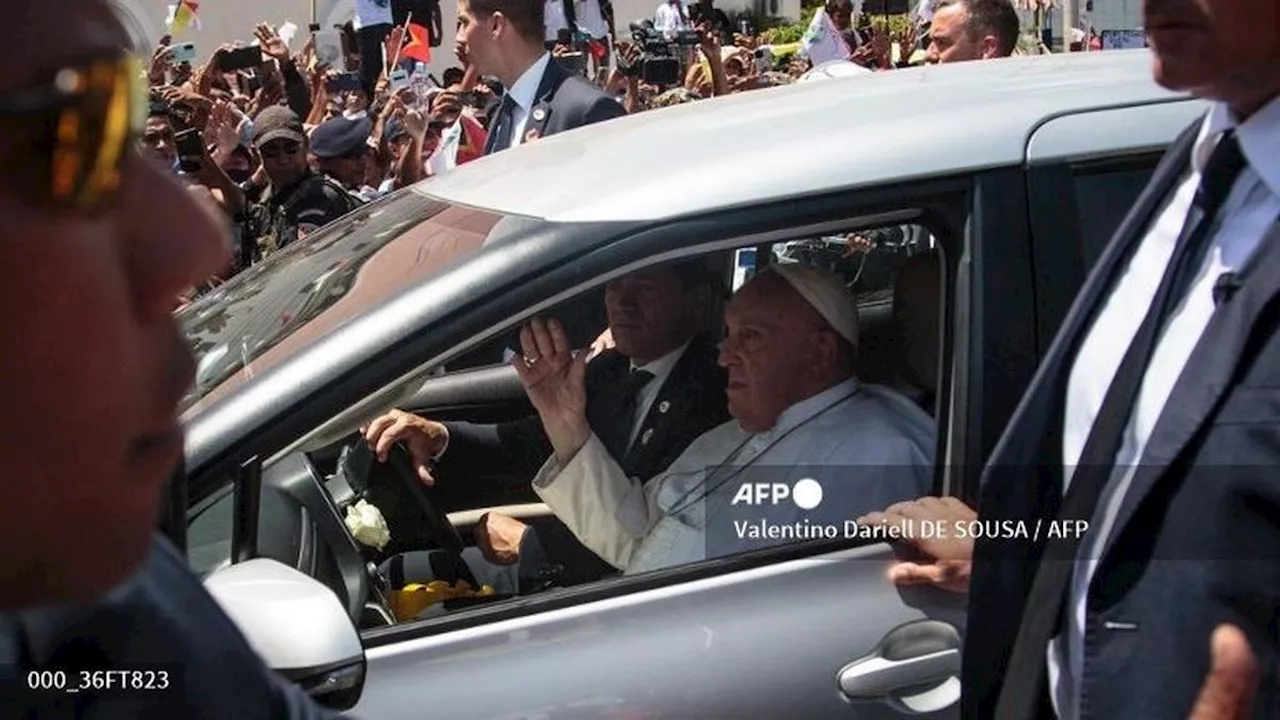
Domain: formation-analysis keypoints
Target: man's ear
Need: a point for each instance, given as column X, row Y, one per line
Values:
column 497, row 23
column 990, row 47
column 829, row 343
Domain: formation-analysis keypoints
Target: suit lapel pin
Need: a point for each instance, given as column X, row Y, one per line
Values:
column 648, row 434
column 539, row 114
column 664, row 406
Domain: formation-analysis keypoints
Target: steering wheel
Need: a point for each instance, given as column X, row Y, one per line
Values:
column 440, row 529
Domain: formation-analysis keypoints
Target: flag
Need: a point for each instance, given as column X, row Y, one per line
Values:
column 418, row 46
column 822, row 42
column 598, row 48
column 460, row 143
column 923, row 14
column 473, row 140
column 183, row 16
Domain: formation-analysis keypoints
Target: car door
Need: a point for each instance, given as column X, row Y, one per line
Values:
column 810, row 629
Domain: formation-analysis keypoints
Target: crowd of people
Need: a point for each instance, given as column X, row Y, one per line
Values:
column 290, row 142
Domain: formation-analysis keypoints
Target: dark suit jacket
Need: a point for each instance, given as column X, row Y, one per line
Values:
column 564, row 102
column 163, row 619
column 1207, row 492
column 690, row 402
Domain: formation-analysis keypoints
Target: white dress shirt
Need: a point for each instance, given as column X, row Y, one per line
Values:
column 670, row 17
column 1251, row 208
column 524, row 93
column 661, row 370
column 669, row 521
column 589, row 16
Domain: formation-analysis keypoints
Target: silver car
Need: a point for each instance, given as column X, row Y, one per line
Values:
column 963, row 203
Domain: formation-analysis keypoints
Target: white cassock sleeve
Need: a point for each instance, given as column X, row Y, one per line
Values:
column 608, row 511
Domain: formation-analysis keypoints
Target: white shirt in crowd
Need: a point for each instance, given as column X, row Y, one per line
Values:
column 445, row 156
column 524, row 93
column 590, row 18
column 661, row 370
column 371, row 12
column 1250, row 210
column 868, row 447
column 670, row 17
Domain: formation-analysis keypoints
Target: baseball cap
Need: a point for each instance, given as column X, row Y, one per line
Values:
column 277, row 123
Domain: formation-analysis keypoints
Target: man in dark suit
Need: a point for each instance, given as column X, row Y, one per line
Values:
column 1158, row 427
column 504, row 38
column 84, row 584
column 647, row 398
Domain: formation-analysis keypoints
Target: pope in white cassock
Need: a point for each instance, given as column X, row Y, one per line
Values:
column 799, row 412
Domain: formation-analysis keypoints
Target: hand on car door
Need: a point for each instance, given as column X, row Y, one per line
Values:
column 948, row 561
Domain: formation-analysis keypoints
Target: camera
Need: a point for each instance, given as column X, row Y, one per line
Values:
column 659, row 64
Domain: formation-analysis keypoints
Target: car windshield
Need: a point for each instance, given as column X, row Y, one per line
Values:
column 307, row 290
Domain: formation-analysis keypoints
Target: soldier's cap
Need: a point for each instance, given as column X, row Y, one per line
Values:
column 341, row 136
column 277, row 123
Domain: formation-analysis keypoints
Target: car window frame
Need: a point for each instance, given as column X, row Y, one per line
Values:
column 941, row 205
column 679, row 575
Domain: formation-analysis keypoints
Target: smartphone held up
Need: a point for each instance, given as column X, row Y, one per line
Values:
column 243, row 58
column 190, row 149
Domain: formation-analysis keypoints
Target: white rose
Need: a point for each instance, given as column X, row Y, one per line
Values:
column 367, row 525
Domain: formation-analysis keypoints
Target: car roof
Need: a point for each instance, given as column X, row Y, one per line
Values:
column 796, row 140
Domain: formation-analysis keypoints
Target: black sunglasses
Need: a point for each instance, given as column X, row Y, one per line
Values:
column 78, row 126
column 275, row 150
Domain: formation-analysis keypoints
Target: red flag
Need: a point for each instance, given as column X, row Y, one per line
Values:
column 418, row 47
column 597, row 48
column 472, row 142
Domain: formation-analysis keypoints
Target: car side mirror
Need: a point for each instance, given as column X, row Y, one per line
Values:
column 296, row 625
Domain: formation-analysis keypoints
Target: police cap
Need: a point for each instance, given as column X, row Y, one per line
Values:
column 341, row 136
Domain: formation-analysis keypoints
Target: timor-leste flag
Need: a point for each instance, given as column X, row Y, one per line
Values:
column 417, row 46
column 472, row 142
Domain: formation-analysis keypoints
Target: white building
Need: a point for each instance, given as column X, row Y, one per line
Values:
column 1105, row 15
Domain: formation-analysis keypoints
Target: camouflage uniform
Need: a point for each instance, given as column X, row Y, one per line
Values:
column 279, row 218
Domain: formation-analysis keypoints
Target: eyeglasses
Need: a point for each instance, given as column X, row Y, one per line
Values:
column 72, row 134
column 271, row 151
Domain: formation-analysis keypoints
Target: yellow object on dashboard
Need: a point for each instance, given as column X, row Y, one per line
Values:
column 408, row 602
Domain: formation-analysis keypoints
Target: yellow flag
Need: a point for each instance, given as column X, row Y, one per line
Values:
column 184, row 15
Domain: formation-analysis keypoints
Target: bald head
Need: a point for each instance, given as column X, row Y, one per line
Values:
column 779, row 350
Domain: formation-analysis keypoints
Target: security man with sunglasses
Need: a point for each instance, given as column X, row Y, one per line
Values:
column 296, row 201
column 99, row 240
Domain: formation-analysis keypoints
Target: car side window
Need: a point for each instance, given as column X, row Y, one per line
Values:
column 1074, row 212
column 896, row 276
column 209, row 535
column 1103, row 199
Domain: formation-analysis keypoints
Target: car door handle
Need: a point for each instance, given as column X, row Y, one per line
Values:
column 916, row 654
column 876, row 677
